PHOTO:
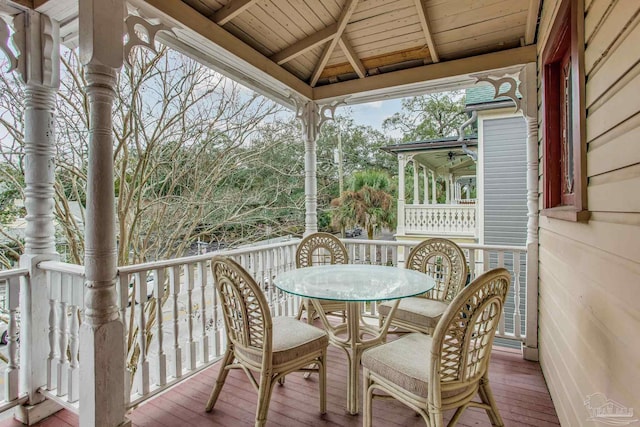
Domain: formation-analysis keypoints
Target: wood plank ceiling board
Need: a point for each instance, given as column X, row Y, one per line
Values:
column 306, row 12
column 504, row 39
column 445, row 18
column 247, row 38
column 378, row 61
column 481, row 28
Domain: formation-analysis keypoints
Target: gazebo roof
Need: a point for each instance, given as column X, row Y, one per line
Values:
column 327, row 49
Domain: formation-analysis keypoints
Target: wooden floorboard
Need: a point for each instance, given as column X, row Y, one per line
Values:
column 518, row 386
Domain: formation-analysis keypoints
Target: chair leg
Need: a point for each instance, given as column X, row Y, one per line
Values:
column 368, row 399
column 222, row 376
column 322, row 380
column 264, row 398
column 301, row 308
column 486, row 395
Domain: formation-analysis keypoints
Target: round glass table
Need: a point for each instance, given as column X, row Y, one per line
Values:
column 354, row 284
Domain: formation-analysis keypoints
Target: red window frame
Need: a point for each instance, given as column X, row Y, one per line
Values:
column 564, row 174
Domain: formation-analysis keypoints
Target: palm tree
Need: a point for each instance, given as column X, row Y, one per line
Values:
column 368, row 202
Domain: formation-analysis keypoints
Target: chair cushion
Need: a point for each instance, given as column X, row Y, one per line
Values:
column 293, row 339
column 419, row 311
column 416, row 310
column 405, row 362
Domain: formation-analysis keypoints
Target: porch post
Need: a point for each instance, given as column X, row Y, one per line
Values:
column 312, row 117
column 102, row 363
column 528, row 88
column 38, row 67
column 426, row 185
column 433, row 188
column 416, row 184
column 447, row 184
column 529, row 107
column 402, row 161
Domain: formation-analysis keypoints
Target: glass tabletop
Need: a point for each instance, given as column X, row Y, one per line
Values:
column 354, row 282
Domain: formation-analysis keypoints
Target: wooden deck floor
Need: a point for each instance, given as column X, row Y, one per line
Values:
column 518, row 385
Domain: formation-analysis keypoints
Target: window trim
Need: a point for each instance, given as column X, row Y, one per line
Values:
column 567, row 28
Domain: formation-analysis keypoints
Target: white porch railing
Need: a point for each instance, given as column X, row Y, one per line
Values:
column 446, row 220
column 10, row 282
column 171, row 341
column 480, row 258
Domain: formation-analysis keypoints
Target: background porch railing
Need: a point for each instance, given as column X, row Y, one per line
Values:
column 171, row 341
column 456, row 220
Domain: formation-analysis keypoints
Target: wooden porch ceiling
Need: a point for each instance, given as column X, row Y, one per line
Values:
column 323, row 49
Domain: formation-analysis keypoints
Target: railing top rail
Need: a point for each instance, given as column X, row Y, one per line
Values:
column 62, row 267
column 441, row 206
column 15, row 272
column 136, row 268
column 462, row 245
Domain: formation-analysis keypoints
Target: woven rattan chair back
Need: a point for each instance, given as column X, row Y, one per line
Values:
column 321, row 249
column 244, row 307
column 443, row 260
column 464, row 336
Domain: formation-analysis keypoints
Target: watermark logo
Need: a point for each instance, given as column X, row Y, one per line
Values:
column 608, row 411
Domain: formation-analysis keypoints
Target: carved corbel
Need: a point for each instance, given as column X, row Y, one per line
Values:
column 36, row 39
column 5, row 39
column 134, row 25
column 312, row 116
column 512, row 80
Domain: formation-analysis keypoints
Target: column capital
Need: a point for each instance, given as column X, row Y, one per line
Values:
column 37, row 40
column 313, row 115
column 523, row 81
column 101, row 32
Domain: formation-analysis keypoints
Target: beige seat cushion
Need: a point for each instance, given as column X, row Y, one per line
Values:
column 405, row 362
column 293, row 339
column 416, row 310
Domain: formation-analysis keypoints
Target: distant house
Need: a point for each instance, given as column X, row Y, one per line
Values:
column 483, row 174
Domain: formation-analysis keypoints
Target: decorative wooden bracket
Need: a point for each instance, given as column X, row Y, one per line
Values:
column 497, row 81
column 5, row 38
column 312, row 116
column 134, row 24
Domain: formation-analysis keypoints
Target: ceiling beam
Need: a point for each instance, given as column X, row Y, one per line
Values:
column 305, row 45
column 532, row 22
column 348, row 10
column 180, row 15
column 424, row 22
column 440, row 70
column 352, row 56
column 232, row 9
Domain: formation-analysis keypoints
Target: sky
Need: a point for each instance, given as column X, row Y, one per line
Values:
column 374, row 113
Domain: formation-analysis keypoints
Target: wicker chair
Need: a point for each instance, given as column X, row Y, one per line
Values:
column 256, row 342
column 321, row 249
column 436, row 374
column 443, row 260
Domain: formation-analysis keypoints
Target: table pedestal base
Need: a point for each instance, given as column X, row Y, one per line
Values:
column 354, row 343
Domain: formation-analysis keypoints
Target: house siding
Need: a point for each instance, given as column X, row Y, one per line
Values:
column 505, row 181
column 589, row 289
column 504, row 194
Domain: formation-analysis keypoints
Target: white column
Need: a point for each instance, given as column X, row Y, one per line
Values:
column 309, row 132
column 401, row 166
column 38, row 68
column 426, row 185
column 416, row 184
column 528, row 88
column 434, row 198
column 102, row 366
column 447, row 184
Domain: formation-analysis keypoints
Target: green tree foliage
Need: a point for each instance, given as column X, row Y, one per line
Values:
column 367, row 202
column 428, row 116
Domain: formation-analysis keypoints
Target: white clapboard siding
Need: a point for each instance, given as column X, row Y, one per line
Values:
column 590, row 272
